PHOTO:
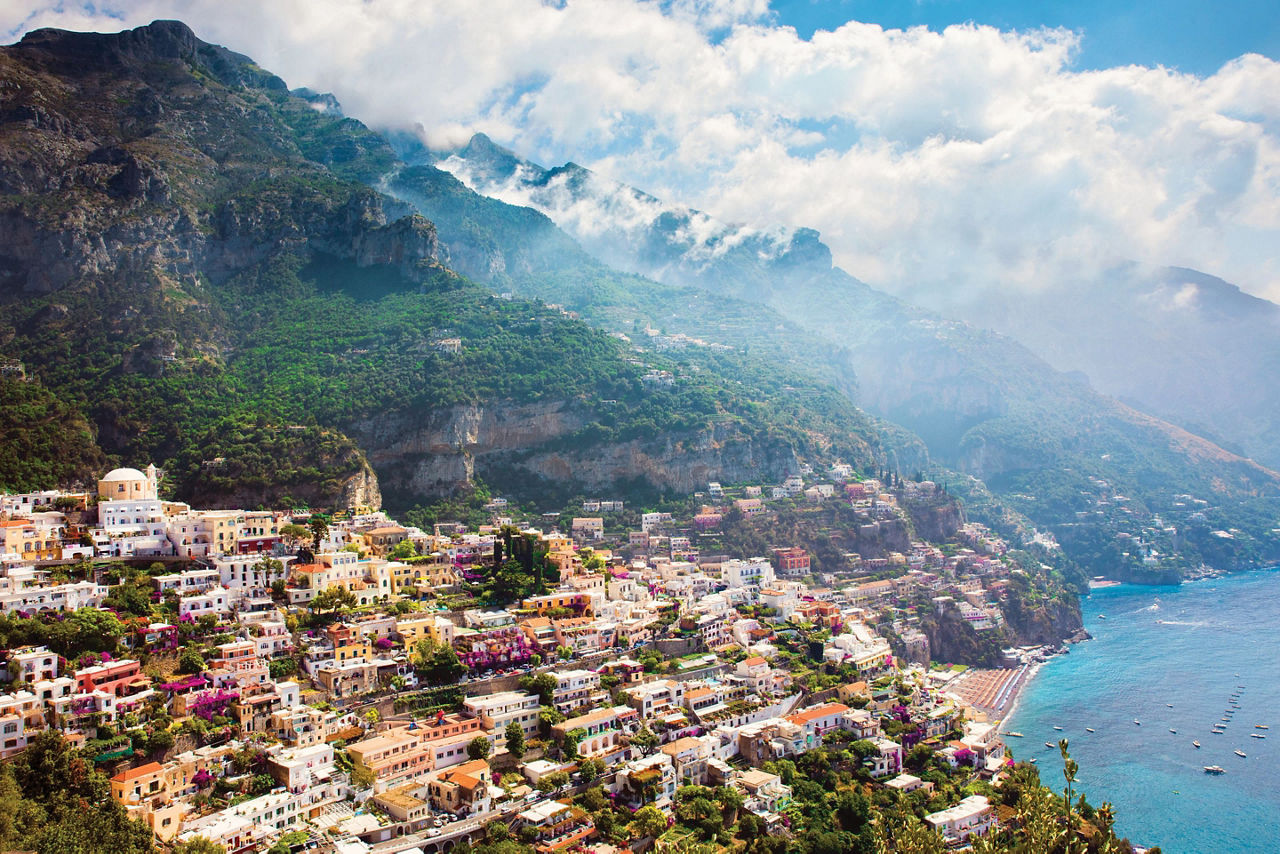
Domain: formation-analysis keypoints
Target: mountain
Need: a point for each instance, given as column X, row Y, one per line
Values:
column 1045, row 440
column 1176, row 342
column 195, row 269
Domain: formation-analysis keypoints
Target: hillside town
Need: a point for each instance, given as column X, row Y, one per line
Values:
column 270, row 680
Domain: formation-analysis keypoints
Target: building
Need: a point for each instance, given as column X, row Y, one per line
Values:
column 972, row 817
column 603, row 730
column 498, row 711
column 556, row 826
column 463, row 789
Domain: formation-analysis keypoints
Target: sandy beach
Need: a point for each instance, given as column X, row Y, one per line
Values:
column 995, row 691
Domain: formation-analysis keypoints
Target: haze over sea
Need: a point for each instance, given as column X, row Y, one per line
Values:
column 1169, row 645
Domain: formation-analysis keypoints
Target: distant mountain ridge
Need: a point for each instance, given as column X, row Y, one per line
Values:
column 1179, row 343
column 983, row 403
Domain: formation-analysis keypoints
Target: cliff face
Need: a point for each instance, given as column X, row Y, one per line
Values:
column 446, row 449
column 196, row 256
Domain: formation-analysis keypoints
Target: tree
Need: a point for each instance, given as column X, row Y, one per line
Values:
column 295, row 534
column 269, row 568
column 402, row 550
column 515, row 739
column 544, row 685
column 564, row 652
column 190, row 661
column 160, row 741
column 1069, row 769
column 547, row 718
column 648, row 821
column 644, row 739
column 201, row 845
column 852, row 810
column 333, row 598
column 572, row 739
column 751, row 826
column 319, row 528
column 444, row 667
column 591, row 769
column 478, row 748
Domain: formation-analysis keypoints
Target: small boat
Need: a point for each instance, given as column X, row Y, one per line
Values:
column 1240, row 753
column 1058, row 728
column 1137, row 722
column 1256, row 735
column 1048, row 744
column 1214, row 769
column 1089, row 729
column 1261, row 726
column 1032, row 760
column 1014, row 734
column 1172, row 730
column 1170, row 705
column 1102, row 616
column 1226, row 720
column 1197, row 744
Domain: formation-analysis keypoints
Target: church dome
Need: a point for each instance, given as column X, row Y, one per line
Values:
column 123, row 474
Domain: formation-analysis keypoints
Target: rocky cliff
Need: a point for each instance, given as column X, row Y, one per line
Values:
column 198, row 260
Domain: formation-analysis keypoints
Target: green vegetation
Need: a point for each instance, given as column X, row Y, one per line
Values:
column 43, row 442
column 53, row 801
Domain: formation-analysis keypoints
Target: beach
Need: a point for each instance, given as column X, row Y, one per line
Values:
column 995, row 691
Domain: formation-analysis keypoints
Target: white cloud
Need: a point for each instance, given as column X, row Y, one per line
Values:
column 933, row 161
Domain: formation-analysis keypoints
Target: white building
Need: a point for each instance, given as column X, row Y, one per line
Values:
column 971, row 817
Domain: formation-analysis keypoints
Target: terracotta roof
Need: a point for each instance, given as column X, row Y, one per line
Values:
column 134, row 773
column 309, row 567
column 754, row 660
column 817, row 712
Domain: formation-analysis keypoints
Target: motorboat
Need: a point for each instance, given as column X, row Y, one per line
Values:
column 1089, row 729
column 1240, row 753
column 1214, row 769
column 1197, row 744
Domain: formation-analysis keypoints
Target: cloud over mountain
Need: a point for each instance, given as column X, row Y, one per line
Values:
column 932, row 162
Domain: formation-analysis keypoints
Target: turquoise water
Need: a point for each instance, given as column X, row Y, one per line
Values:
column 1169, row 645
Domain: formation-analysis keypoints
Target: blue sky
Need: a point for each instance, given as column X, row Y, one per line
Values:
column 1191, row 35
column 1041, row 142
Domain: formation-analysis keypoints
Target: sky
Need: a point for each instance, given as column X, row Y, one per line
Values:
column 940, row 147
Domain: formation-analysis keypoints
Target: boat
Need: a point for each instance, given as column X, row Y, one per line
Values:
column 1102, row 616
column 1256, row 735
column 1214, row 769
column 1137, row 722
column 1089, row 729
column 1032, row 760
column 1170, row 705
column 1058, row 728
column 1240, row 753
column 1197, row 744
column 1048, row 744
column 1014, row 734
column 1172, row 730
column 1261, row 726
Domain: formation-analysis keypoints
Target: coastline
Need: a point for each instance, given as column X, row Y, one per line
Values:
column 1015, row 700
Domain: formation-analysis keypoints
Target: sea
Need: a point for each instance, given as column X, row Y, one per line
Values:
column 1171, row 658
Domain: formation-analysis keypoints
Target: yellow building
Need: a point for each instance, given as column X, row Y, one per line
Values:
column 130, row 485
column 29, row 541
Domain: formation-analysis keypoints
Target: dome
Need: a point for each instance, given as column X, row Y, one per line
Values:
column 123, row 474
